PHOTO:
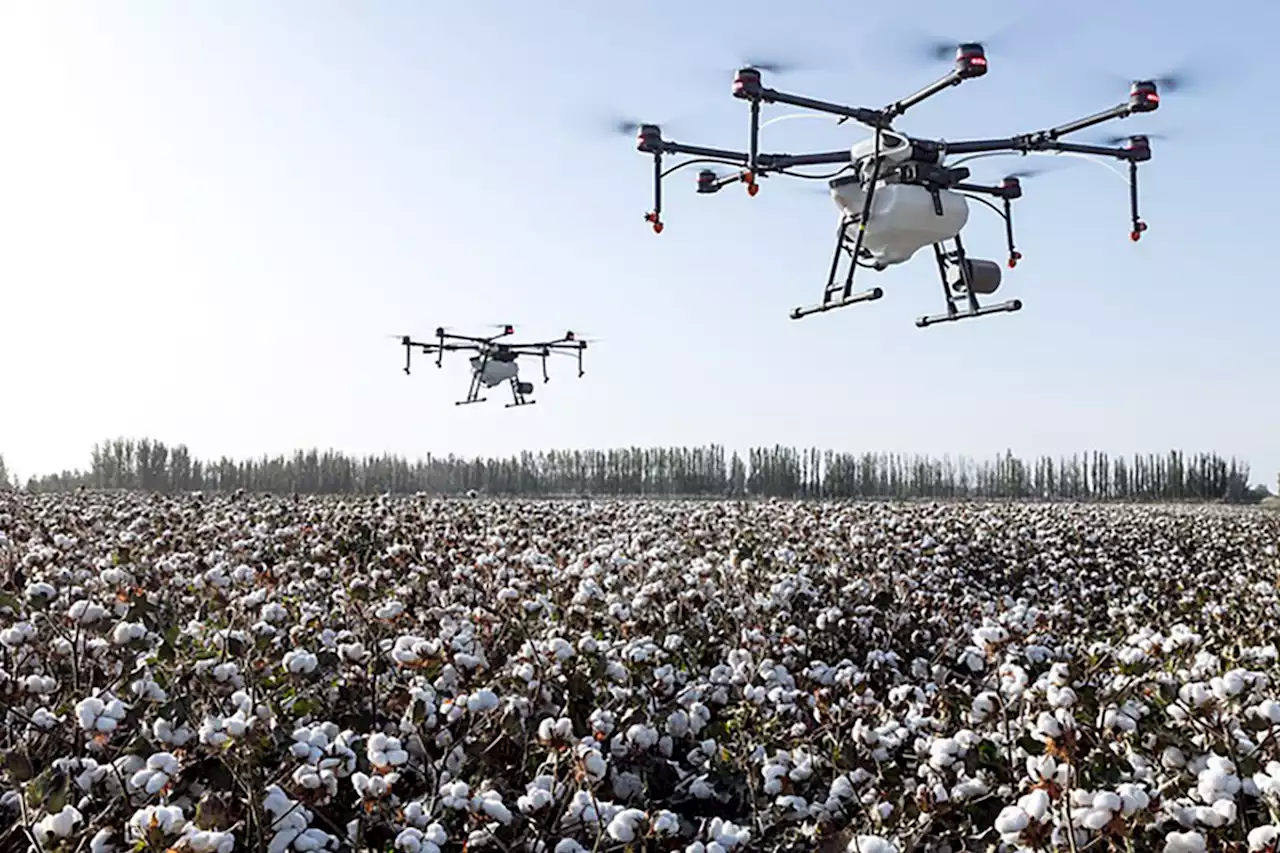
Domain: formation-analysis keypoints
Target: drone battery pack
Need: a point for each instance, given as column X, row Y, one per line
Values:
column 904, row 218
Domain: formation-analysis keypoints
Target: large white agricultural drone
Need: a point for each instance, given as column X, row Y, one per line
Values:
column 495, row 361
column 900, row 194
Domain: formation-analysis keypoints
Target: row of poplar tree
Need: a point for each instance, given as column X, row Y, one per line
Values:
column 709, row 471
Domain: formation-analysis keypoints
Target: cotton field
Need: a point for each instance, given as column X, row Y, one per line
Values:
column 421, row 675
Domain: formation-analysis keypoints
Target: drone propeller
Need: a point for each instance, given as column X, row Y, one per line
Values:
column 1032, row 172
column 625, row 126
column 924, row 47
column 774, row 66
column 578, row 337
column 1193, row 75
column 1180, row 79
column 1121, row 140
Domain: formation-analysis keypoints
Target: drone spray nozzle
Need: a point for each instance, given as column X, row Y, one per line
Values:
column 971, row 60
column 746, row 83
column 1143, row 96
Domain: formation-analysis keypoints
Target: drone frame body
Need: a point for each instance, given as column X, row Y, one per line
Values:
column 489, row 350
column 916, row 162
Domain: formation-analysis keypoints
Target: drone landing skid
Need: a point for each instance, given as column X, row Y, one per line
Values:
column 840, row 295
column 957, row 274
column 518, row 391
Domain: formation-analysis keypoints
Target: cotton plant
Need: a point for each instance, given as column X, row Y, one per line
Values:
column 517, row 675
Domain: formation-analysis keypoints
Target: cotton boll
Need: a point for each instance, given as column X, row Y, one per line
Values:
column 102, row 842
column 57, row 826
column 642, row 737
column 481, row 701
column 625, row 825
column 490, row 803
column 300, row 662
column 98, row 716
column 1035, row 804
column 160, row 769
column 1011, row 821
column 203, row 841
column 1261, row 837
column 1184, row 842
column 1133, row 798
column 1047, row 725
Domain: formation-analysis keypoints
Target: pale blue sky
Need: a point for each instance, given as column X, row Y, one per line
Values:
column 213, row 213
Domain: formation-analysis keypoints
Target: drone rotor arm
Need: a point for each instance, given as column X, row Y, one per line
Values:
column 747, row 87
column 1039, row 142
column 427, row 349
column 721, row 154
column 777, row 162
column 896, row 109
column 1143, row 98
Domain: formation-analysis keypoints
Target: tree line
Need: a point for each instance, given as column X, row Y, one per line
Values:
column 785, row 472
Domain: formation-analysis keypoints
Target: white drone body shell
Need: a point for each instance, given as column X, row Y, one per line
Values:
column 902, row 219
column 493, row 372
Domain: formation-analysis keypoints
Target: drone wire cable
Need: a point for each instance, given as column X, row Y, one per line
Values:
column 701, row 160
column 822, row 116
column 1089, row 157
column 987, row 202
column 826, row 176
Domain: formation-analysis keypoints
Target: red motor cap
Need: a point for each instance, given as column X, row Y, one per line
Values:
column 746, row 82
column 971, row 60
column 1143, row 96
column 649, row 138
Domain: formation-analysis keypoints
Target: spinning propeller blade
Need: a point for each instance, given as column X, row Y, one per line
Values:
column 620, row 125
column 773, row 66
column 1121, row 140
column 1188, row 76
column 926, row 48
column 1028, row 173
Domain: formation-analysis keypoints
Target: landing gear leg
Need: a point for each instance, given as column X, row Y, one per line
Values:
column 518, row 396
column 957, row 280
column 839, row 295
column 473, row 392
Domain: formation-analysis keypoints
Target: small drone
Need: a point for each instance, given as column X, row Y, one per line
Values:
column 495, row 362
column 900, row 196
